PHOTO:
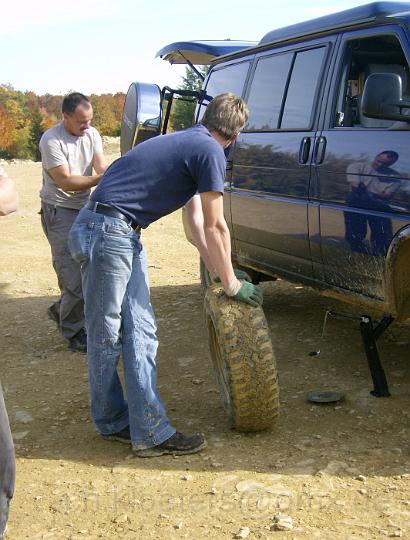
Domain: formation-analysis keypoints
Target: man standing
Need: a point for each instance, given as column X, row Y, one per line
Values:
column 373, row 185
column 150, row 181
column 8, row 204
column 69, row 152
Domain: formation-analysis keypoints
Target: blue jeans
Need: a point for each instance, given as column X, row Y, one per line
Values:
column 119, row 320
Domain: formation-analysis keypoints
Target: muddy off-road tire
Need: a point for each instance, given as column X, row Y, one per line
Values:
column 244, row 362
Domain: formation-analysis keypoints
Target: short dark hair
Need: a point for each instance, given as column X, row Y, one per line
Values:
column 73, row 100
column 391, row 154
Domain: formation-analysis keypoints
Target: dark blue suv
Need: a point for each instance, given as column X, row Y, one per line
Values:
column 318, row 183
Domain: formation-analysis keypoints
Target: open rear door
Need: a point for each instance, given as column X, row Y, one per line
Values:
column 200, row 53
column 143, row 108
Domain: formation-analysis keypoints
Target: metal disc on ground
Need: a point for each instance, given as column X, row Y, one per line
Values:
column 324, row 396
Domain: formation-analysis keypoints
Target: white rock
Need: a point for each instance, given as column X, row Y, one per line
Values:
column 282, row 523
column 243, row 532
column 123, row 518
column 18, row 435
column 23, row 417
column 334, row 467
column 249, row 485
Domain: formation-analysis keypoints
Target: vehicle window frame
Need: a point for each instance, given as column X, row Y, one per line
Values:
column 325, row 43
column 334, row 90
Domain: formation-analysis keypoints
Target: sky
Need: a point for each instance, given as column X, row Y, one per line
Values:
column 102, row 46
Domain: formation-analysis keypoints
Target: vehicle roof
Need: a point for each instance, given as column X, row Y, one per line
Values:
column 201, row 52
column 350, row 17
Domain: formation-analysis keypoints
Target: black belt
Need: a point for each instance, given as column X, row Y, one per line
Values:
column 107, row 210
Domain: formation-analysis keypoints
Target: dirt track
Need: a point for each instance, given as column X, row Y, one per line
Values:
column 339, row 472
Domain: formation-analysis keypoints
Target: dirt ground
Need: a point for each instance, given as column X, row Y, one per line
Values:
column 329, row 471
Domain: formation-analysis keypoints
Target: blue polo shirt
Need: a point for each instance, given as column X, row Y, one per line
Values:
column 161, row 174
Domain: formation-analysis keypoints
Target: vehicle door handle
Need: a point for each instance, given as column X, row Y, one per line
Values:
column 304, row 150
column 320, row 150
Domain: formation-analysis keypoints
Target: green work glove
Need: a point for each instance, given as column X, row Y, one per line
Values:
column 250, row 294
column 239, row 274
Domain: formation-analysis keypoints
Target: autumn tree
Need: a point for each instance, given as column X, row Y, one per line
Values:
column 104, row 116
column 6, row 130
column 24, row 116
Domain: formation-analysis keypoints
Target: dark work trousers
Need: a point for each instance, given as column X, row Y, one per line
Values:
column 7, row 465
column 57, row 222
column 381, row 229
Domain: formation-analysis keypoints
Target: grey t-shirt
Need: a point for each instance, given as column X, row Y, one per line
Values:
column 58, row 147
column 375, row 182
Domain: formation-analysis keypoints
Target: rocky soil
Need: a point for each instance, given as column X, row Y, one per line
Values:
column 339, row 471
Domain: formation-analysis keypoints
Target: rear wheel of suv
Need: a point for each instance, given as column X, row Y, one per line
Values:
column 243, row 359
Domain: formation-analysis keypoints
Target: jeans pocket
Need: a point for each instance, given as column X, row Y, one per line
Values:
column 117, row 228
column 79, row 241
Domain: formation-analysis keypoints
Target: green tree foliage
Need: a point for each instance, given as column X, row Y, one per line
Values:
column 24, row 116
column 36, row 130
column 183, row 110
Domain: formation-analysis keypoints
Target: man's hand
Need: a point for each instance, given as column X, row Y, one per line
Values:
column 239, row 274
column 250, row 294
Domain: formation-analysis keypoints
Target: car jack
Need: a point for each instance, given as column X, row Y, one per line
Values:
column 370, row 332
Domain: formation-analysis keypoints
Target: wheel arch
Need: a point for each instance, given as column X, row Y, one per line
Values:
column 398, row 274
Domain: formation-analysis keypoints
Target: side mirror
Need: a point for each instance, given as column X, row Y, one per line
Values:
column 141, row 116
column 382, row 97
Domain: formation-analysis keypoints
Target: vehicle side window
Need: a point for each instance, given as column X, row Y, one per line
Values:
column 303, row 84
column 227, row 79
column 361, row 58
column 283, row 90
column 266, row 94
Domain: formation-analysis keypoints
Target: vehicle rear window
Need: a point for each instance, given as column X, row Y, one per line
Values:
column 227, row 79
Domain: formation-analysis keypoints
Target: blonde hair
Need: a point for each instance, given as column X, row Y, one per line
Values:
column 227, row 114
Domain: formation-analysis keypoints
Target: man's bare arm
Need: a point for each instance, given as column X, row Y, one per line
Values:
column 99, row 163
column 217, row 238
column 64, row 180
column 8, row 195
column 195, row 219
